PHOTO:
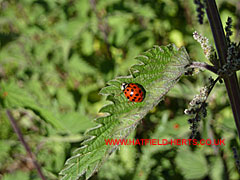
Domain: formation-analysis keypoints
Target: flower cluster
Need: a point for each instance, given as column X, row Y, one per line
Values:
column 233, row 53
column 236, row 157
column 197, row 107
column 228, row 29
column 233, row 61
column 200, row 10
column 208, row 49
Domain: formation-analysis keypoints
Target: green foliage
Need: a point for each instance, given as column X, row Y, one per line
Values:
column 55, row 56
column 192, row 164
column 14, row 97
column 19, row 175
column 159, row 69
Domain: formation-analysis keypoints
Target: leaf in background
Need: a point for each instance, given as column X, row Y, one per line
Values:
column 141, row 11
column 65, row 99
column 176, row 37
column 4, row 151
column 76, row 122
column 159, row 69
column 193, row 165
column 112, row 169
column 165, row 130
column 5, row 126
column 16, row 175
column 217, row 168
column 178, row 127
column 121, row 163
column 225, row 119
column 78, row 66
column 185, row 90
column 13, row 96
column 53, row 155
column 128, row 155
column 87, row 43
column 121, row 31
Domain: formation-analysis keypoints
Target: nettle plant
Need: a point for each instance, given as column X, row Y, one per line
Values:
column 159, row 69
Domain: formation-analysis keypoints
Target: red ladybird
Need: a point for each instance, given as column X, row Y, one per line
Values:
column 134, row 92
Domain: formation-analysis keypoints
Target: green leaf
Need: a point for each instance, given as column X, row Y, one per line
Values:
column 65, row 99
column 76, row 122
column 4, row 151
column 217, row 168
column 79, row 66
column 159, row 69
column 13, row 96
column 193, row 165
column 16, row 175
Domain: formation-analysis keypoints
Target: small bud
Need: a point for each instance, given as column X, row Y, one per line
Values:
column 208, row 49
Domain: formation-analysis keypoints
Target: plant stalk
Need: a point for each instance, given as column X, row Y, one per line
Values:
column 231, row 82
column 27, row 148
column 203, row 65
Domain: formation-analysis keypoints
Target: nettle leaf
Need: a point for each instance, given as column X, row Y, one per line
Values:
column 159, row 69
column 12, row 96
column 193, row 165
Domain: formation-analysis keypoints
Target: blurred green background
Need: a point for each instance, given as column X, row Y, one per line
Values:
column 55, row 56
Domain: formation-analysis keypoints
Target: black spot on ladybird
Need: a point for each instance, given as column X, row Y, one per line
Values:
column 127, row 89
column 132, row 90
column 134, row 87
column 137, row 94
column 140, row 91
column 131, row 95
column 139, row 99
column 128, row 97
column 133, row 99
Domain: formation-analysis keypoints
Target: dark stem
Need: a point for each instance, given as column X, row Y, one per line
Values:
column 27, row 148
column 204, row 103
column 231, row 82
column 203, row 65
column 236, row 157
column 103, row 26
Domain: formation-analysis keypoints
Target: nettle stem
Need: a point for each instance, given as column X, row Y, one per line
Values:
column 203, row 65
column 231, row 82
column 24, row 143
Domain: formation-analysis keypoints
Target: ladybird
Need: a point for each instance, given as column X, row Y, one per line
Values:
column 134, row 92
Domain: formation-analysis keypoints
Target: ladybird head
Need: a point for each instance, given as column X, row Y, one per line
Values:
column 124, row 86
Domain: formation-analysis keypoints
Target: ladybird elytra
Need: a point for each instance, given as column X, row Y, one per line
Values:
column 133, row 92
